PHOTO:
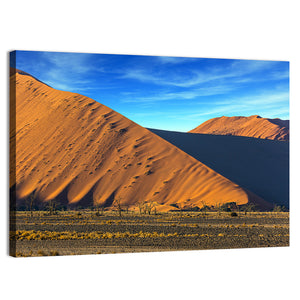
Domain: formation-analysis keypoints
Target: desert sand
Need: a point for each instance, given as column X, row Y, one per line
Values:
column 260, row 165
column 253, row 126
column 70, row 148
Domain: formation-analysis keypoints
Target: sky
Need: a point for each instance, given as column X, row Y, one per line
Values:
column 170, row 93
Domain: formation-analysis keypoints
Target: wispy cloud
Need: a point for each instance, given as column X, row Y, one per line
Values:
column 70, row 62
column 279, row 75
column 269, row 104
column 174, row 60
column 180, row 95
column 140, row 75
column 244, row 67
column 238, row 71
column 68, row 71
column 192, row 79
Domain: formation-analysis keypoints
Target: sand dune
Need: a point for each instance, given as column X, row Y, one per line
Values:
column 261, row 166
column 80, row 152
column 253, row 126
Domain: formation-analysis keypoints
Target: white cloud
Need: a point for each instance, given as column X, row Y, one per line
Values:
column 268, row 104
column 239, row 71
column 174, row 60
column 182, row 95
column 140, row 75
column 67, row 71
column 70, row 62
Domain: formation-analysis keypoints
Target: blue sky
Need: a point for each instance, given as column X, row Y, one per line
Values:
column 171, row 93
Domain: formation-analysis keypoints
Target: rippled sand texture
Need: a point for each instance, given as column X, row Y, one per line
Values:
column 78, row 151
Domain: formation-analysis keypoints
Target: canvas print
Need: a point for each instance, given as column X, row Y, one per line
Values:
column 130, row 153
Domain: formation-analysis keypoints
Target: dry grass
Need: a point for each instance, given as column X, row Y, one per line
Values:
column 66, row 233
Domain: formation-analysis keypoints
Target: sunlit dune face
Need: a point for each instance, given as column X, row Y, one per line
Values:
column 253, row 126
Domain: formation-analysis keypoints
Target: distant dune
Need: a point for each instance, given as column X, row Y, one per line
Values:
column 253, row 126
column 80, row 152
column 261, row 166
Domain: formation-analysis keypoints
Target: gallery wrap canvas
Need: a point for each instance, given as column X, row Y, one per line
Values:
column 132, row 153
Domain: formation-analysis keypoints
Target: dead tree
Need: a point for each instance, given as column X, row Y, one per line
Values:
column 141, row 207
column 180, row 207
column 204, row 208
column 148, row 206
column 219, row 208
column 30, row 203
column 52, row 207
column 100, row 209
column 118, row 206
column 249, row 208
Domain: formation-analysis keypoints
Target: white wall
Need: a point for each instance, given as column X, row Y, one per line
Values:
column 221, row 29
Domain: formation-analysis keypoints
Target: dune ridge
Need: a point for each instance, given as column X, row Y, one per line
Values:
column 253, row 126
column 79, row 152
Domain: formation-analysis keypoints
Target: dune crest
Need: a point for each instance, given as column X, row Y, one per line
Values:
column 253, row 126
column 77, row 151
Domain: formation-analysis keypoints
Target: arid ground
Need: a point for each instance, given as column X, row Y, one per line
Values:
column 91, row 232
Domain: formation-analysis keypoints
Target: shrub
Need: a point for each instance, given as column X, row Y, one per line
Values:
column 249, row 207
column 225, row 207
column 278, row 208
column 233, row 214
column 41, row 253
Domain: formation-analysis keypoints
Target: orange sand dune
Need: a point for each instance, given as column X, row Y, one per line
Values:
column 253, row 126
column 77, row 151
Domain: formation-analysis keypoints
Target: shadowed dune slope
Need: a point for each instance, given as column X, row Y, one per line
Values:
column 253, row 126
column 261, row 166
column 78, row 151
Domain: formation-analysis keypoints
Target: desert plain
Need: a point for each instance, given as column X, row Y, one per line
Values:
column 86, row 232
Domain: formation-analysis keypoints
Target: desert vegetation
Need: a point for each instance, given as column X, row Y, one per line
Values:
column 99, row 230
